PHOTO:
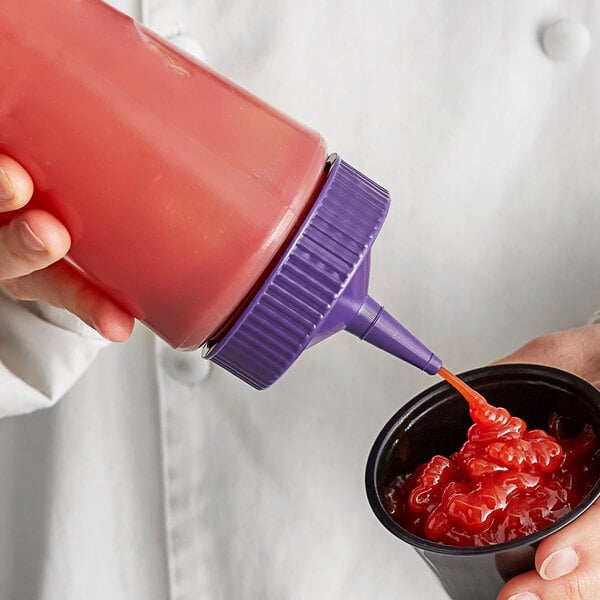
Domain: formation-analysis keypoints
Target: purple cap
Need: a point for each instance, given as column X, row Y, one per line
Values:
column 319, row 287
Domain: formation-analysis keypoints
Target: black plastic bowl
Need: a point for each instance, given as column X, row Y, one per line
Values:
column 436, row 422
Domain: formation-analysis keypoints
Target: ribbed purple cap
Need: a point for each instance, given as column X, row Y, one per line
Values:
column 319, row 287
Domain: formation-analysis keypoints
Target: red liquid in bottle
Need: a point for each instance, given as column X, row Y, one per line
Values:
column 178, row 187
column 504, row 483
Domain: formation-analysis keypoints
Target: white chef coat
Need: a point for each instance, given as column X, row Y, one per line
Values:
column 132, row 471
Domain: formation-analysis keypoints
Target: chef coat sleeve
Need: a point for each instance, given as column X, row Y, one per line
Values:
column 43, row 351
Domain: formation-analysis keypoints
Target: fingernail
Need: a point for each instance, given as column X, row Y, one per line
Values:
column 30, row 239
column 7, row 191
column 525, row 596
column 559, row 563
column 97, row 328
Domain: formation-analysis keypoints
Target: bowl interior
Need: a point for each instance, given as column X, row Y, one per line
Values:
column 436, row 421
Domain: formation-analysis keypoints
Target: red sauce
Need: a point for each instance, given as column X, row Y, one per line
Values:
column 504, row 483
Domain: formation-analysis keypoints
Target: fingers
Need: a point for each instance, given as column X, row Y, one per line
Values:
column 63, row 286
column 32, row 244
column 16, row 186
column 567, row 564
column 576, row 350
column 31, row 241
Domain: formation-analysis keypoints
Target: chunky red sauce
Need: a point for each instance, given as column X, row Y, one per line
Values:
column 504, row 483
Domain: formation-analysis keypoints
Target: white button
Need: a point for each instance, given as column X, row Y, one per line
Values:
column 186, row 367
column 188, row 44
column 566, row 40
column 165, row 19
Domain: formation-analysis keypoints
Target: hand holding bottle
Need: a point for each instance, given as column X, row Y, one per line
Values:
column 33, row 244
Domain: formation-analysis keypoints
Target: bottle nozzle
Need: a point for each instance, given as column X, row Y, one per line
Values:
column 320, row 287
column 375, row 325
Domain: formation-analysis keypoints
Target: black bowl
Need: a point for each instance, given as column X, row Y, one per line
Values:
column 436, row 422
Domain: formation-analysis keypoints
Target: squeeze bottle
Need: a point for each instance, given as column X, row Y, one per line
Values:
column 211, row 217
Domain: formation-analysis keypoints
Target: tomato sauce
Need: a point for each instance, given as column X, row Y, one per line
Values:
column 178, row 187
column 504, row 483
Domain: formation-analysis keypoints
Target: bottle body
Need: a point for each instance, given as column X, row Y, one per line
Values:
column 179, row 188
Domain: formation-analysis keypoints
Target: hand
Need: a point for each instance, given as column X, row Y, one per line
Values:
column 575, row 350
column 32, row 244
column 568, row 562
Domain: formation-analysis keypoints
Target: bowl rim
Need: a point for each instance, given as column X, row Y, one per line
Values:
column 510, row 371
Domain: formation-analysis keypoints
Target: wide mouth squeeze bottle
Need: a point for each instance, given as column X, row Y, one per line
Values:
column 211, row 217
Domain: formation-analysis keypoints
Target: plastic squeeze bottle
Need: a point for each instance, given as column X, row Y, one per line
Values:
column 211, row 217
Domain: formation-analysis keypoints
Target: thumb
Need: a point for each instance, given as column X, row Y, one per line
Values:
column 567, row 564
